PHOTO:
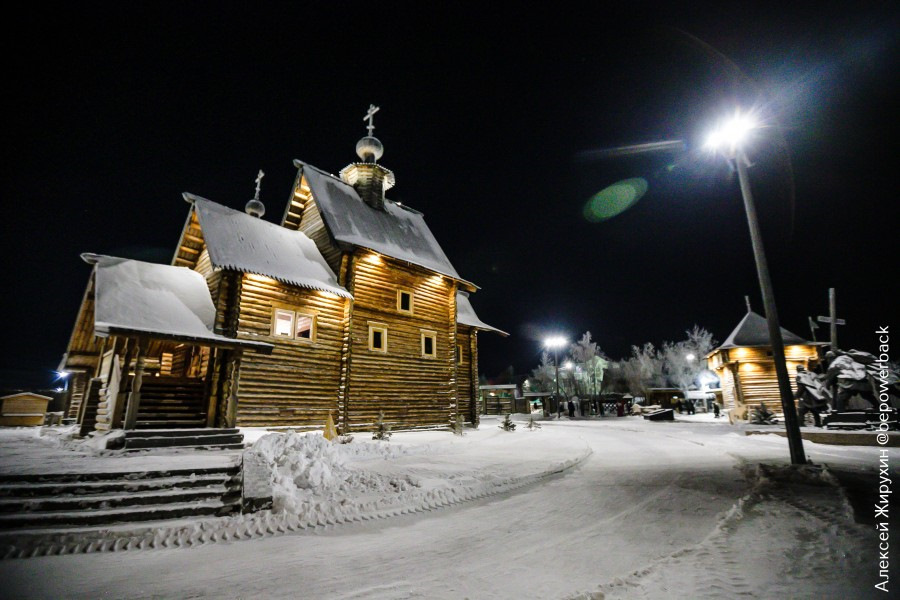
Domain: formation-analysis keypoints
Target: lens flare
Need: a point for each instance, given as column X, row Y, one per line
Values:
column 615, row 199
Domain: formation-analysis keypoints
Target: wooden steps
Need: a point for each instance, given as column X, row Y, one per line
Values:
column 170, row 402
column 142, row 439
column 77, row 500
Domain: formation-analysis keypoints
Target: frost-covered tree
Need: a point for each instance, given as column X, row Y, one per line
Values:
column 543, row 377
column 590, row 364
column 685, row 361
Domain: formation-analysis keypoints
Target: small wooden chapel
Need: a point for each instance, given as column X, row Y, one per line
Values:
column 347, row 307
column 746, row 368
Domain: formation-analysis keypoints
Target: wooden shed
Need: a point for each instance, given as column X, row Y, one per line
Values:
column 501, row 399
column 746, row 368
column 23, row 410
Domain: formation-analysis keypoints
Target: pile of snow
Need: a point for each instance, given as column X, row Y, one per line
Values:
column 309, row 471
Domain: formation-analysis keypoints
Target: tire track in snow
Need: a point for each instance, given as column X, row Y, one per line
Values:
column 821, row 529
column 257, row 525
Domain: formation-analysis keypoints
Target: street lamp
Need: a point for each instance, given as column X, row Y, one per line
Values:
column 729, row 139
column 555, row 343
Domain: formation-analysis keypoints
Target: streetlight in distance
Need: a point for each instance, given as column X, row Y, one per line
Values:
column 729, row 139
column 555, row 343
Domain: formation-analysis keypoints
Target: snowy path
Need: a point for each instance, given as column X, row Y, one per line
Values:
column 640, row 517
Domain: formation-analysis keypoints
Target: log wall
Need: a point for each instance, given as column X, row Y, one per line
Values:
column 297, row 385
column 413, row 391
column 467, row 373
column 313, row 226
column 748, row 375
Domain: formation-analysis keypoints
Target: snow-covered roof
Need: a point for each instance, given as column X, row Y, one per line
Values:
column 238, row 241
column 26, row 395
column 465, row 314
column 136, row 297
column 753, row 330
column 397, row 231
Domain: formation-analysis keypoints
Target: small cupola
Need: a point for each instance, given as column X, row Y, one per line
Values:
column 370, row 179
column 254, row 207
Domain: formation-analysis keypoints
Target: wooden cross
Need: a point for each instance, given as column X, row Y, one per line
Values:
column 258, row 181
column 370, row 115
column 832, row 318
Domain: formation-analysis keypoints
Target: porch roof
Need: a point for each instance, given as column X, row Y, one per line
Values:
column 138, row 298
column 465, row 315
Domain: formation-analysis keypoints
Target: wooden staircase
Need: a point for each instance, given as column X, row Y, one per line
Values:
column 172, row 402
column 197, row 439
column 92, row 499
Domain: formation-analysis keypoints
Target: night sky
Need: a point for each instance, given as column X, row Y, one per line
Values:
column 495, row 123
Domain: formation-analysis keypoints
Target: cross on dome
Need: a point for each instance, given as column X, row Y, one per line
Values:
column 370, row 116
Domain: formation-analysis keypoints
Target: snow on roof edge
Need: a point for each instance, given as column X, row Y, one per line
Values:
column 221, row 262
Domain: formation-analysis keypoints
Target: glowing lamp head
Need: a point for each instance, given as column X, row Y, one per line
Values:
column 62, row 374
column 568, row 365
column 555, row 342
column 731, row 133
column 691, row 357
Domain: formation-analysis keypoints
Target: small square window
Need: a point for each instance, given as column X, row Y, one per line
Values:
column 283, row 323
column 429, row 344
column 306, row 327
column 404, row 301
column 378, row 338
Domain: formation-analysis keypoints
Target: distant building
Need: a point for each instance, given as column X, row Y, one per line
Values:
column 23, row 410
column 746, row 368
column 349, row 306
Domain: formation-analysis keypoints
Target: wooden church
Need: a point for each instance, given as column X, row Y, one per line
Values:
column 746, row 368
column 348, row 306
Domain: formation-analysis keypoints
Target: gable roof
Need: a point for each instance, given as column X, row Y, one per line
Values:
column 133, row 297
column 240, row 242
column 465, row 315
column 397, row 231
column 753, row 331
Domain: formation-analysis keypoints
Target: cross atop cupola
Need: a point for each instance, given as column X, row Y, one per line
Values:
column 370, row 179
column 370, row 117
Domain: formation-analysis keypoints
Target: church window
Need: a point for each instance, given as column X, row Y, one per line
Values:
column 378, row 337
column 429, row 344
column 294, row 325
column 306, row 327
column 283, row 323
column 405, row 301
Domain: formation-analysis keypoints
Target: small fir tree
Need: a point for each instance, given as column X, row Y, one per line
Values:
column 532, row 424
column 507, row 424
column 382, row 429
column 458, row 425
column 762, row 416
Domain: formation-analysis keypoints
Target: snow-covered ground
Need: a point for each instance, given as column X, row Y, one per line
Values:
column 644, row 510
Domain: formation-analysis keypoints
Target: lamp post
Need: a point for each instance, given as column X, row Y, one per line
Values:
column 729, row 139
column 555, row 343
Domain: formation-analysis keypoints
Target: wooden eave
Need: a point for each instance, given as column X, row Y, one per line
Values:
column 259, row 347
column 462, row 284
column 300, row 196
column 83, row 348
column 191, row 242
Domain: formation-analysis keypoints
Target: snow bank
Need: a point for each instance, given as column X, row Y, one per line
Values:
column 310, row 472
